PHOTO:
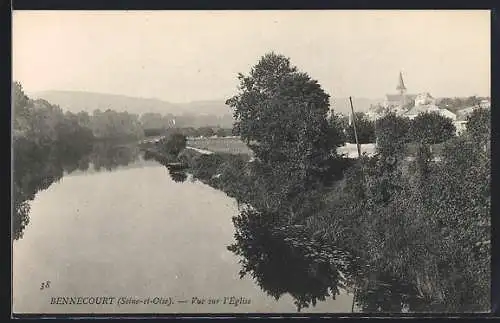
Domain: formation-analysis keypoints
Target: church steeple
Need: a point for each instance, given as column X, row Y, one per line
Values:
column 401, row 85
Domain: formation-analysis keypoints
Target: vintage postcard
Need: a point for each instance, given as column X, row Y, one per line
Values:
column 314, row 161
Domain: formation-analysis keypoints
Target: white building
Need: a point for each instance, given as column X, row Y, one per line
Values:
column 485, row 104
column 461, row 126
column 424, row 99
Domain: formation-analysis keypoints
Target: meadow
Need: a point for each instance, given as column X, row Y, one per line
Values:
column 231, row 145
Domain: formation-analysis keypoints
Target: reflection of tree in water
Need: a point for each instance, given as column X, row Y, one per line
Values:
column 285, row 259
column 109, row 156
column 36, row 167
column 177, row 176
column 282, row 259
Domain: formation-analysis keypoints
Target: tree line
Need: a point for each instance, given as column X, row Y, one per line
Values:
column 190, row 131
column 47, row 123
column 428, row 126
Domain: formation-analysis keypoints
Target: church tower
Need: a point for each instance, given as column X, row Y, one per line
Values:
column 402, row 89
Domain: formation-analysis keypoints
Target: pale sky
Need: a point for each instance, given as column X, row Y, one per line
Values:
column 182, row 56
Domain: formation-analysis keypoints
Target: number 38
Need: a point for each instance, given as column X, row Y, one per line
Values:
column 45, row 285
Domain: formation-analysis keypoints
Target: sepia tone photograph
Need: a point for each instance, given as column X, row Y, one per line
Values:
column 254, row 161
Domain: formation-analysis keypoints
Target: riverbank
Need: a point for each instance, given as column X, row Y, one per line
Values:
column 353, row 218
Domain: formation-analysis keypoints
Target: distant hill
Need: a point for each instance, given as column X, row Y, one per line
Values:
column 76, row 101
column 201, row 113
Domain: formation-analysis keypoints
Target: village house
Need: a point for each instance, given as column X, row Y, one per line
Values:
column 411, row 105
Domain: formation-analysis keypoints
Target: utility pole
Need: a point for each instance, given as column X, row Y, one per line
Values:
column 355, row 130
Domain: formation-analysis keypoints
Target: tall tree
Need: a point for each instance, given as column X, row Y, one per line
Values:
column 281, row 113
column 479, row 124
column 392, row 133
column 365, row 129
column 431, row 128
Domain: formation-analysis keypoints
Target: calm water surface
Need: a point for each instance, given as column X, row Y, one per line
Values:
column 134, row 232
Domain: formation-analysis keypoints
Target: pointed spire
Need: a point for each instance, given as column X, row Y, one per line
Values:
column 401, row 86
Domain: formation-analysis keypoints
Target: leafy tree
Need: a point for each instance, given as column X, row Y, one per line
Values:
column 472, row 101
column 479, row 124
column 112, row 125
column 152, row 121
column 174, row 143
column 338, row 126
column 454, row 104
column 222, row 132
column 206, row 131
column 392, row 133
column 365, row 129
column 281, row 114
column 431, row 128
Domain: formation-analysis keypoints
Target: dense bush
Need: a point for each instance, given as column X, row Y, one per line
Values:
column 431, row 128
column 392, row 133
column 479, row 124
column 365, row 129
column 173, row 143
column 425, row 223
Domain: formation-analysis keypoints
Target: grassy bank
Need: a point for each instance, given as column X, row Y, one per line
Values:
column 413, row 230
column 228, row 145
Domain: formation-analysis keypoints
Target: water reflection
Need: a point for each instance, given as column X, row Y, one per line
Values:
column 36, row 167
column 283, row 260
column 178, row 176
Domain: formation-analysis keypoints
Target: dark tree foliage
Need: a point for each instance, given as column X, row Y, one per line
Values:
column 392, row 134
column 479, row 124
column 224, row 132
column 206, row 131
column 282, row 259
column 427, row 224
column 36, row 168
column 178, row 176
column 454, row 104
column 205, row 166
column 365, row 129
column 281, row 114
column 173, row 143
column 431, row 128
column 48, row 142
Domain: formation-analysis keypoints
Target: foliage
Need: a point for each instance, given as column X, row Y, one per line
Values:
column 365, row 129
column 204, row 166
column 281, row 114
column 178, row 176
column 35, row 168
column 425, row 223
column 111, row 125
column 479, row 124
column 338, row 124
column 206, row 131
column 224, row 132
column 431, row 128
column 392, row 133
column 155, row 121
column 173, row 143
column 454, row 104
column 282, row 259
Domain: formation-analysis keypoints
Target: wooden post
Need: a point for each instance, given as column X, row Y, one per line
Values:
column 355, row 130
column 353, row 299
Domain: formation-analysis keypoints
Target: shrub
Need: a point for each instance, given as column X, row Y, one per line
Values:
column 173, row 143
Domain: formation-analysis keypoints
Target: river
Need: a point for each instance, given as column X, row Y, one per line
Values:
column 117, row 225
